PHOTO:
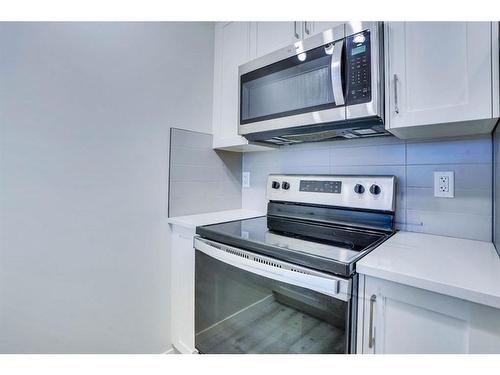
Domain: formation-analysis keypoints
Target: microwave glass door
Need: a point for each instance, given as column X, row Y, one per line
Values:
column 307, row 82
column 238, row 311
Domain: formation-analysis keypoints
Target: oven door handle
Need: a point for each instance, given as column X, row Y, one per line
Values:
column 329, row 286
column 336, row 73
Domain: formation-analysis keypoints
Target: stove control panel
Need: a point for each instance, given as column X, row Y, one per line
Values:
column 352, row 191
column 334, row 187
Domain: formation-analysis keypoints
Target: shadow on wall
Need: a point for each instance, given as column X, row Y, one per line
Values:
column 201, row 179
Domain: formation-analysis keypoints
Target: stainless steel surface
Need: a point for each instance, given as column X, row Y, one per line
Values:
column 338, row 114
column 385, row 201
column 336, row 72
column 396, row 105
column 374, row 108
column 327, row 284
column 338, row 253
column 371, row 338
column 328, row 36
column 306, row 28
column 329, row 115
column 284, row 250
column 295, row 33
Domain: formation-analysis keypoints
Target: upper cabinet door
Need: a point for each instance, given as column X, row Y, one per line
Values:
column 438, row 72
column 271, row 36
column 311, row 28
column 232, row 48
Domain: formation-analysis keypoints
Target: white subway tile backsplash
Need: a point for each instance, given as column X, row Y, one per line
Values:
column 392, row 154
column 305, row 169
column 195, row 173
column 467, row 176
column 191, row 139
column 315, row 157
column 262, row 158
column 462, row 225
column 413, row 164
column 393, row 170
column 476, row 202
column 191, row 156
column 461, row 151
column 201, row 179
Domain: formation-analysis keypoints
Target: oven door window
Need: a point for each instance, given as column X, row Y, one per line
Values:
column 299, row 84
column 237, row 311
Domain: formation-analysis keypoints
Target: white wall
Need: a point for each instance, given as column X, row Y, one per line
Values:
column 85, row 111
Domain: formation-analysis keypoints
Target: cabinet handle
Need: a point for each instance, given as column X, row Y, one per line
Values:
column 396, row 104
column 306, row 29
column 371, row 337
column 295, row 33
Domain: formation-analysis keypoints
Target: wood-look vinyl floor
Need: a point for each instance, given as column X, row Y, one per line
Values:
column 271, row 327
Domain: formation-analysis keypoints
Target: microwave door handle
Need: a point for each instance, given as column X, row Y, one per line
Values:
column 336, row 73
column 327, row 286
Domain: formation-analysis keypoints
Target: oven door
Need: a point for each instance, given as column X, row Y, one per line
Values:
column 299, row 85
column 247, row 303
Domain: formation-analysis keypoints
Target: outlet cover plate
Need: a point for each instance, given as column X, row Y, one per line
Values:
column 245, row 179
column 444, row 184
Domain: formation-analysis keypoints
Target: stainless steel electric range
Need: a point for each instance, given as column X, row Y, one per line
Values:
column 286, row 282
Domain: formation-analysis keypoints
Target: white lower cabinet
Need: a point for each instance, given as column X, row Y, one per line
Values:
column 182, row 262
column 400, row 319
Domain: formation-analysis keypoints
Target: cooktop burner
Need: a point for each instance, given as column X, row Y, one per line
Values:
column 332, row 249
column 322, row 222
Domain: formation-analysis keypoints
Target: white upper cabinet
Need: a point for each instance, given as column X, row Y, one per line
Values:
column 317, row 27
column 232, row 48
column 441, row 78
column 268, row 37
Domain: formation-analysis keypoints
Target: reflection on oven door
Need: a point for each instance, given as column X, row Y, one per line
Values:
column 240, row 312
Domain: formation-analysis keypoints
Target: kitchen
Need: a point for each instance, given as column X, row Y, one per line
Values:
column 439, row 161
column 307, row 187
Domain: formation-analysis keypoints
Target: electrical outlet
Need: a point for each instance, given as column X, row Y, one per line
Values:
column 444, row 184
column 245, row 179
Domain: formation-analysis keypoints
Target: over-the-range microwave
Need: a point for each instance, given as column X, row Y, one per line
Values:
column 327, row 86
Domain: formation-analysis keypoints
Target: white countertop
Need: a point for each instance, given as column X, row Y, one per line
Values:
column 192, row 221
column 460, row 268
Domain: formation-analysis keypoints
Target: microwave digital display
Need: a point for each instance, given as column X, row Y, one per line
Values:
column 358, row 50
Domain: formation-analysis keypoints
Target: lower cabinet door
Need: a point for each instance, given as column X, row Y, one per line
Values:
column 399, row 319
column 182, row 289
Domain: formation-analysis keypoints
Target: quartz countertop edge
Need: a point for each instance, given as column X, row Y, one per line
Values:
column 192, row 221
column 461, row 268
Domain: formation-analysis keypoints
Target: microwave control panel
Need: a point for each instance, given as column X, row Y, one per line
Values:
column 358, row 68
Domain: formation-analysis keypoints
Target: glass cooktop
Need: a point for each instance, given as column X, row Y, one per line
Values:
column 321, row 246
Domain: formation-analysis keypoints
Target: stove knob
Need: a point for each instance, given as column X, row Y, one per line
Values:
column 375, row 189
column 275, row 185
column 285, row 185
column 359, row 189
